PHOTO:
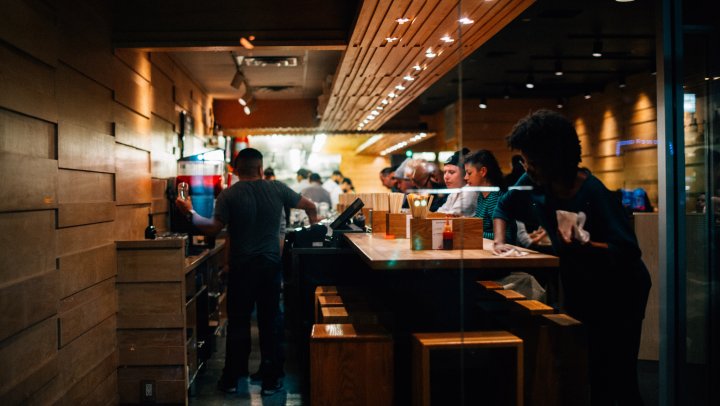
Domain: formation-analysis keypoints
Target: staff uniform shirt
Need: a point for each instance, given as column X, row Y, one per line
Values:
column 250, row 211
column 598, row 282
column 463, row 204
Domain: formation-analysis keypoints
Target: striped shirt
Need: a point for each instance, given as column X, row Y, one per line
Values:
column 485, row 209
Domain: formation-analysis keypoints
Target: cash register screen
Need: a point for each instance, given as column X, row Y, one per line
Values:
column 347, row 215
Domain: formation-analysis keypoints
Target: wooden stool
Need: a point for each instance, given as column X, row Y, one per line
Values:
column 423, row 343
column 507, row 294
column 351, row 365
column 326, row 301
column 534, row 307
column 334, row 315
column 490, row 285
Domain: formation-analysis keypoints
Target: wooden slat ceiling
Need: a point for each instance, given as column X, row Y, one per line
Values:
column 372, row 67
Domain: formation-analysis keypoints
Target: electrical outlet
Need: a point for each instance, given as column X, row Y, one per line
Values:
column 147, row 391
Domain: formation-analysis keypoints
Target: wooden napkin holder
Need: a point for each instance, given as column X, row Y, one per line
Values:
column 467, row 233
column 378, row 221
column 396, row 225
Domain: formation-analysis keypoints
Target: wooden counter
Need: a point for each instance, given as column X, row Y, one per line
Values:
column 380, row 253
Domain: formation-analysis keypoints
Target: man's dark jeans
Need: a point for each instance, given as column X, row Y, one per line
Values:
column 250, row 281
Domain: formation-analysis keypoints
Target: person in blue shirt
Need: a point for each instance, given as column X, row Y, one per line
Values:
column 605, row 282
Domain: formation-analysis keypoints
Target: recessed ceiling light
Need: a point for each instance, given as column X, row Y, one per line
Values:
column 587, row 96
column 560, row 103
column 465, row 21
column 597, row 49
column 384, row 101
column 408, row 78
column 483, row 103
column 429, row 53
column 447, row 39
column 558, row 68
column 402, row 20
column 392, row 95
column 391, row 39
column 417, row 67
column 400, row 87
column 530, row 82
column 380, row 107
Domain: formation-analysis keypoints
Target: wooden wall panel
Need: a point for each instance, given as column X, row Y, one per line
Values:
column 157, row 265
column 82, row 148
column 71, row 240
column 86, row 39
column 165, row 150
column 75, row 214
column 132, row 179
column 29, row 352
column 27, row 85
column 89, row 382
column 164, row 63
column 105, row 393
column 131, row 222
column 85, row 309
column 28, row 183
column 23, row 135
column 138, row 61
column 27, row 302
column 24, row 391
column 131, row 89
column 84, row 269
column 83, row 102
column 80, row 356
column 19, row 18
column 131, row 128
column 150, row 305
column 646, row 229
column 152, row 347
column 162, row 95
column 81, row 186
column 30, row 236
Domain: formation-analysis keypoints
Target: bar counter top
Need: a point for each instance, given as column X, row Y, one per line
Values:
column 388, row 254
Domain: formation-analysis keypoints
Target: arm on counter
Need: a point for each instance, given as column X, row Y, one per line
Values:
column 499, row 245
column 306, row 204
column 209, row 227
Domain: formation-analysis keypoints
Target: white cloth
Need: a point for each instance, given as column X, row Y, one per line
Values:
column 463, row 204
column 570, row 225
column 298, row 187
column 334, row 190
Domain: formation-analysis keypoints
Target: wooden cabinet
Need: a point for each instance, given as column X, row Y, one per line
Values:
column 165, row 301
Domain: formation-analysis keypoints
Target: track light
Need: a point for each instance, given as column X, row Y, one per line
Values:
column 597, row 49
column 530, row 83
column 483, row 103
column 237, row 80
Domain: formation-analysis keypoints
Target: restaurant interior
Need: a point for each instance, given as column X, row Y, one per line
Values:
column 107, row 106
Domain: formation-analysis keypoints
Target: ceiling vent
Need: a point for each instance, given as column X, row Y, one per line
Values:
column 271, row 61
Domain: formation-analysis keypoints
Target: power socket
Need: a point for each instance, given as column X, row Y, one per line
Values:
column 147, row 391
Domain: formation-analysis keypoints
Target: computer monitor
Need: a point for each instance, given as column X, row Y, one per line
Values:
column 347, row 215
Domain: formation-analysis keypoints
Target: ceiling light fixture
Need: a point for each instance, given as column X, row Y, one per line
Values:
column 384, row 101
column 391, row 39
column 408, row 78
column 246, row 42
column 402, row 20
column 380, row 107
column 400, row 87
column 447, row 39
column 530, row 82
column 237, row 80
column 560, row 103
column 370, row 141
column 483, row 103
column 597, row 49
column 417, row 67
column 621, row 83
column 558, row 68
column 465, row 21
column 429, row 53
column 392, row 95
column 587, row 96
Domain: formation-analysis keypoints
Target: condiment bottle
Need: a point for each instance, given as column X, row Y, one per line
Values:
column 447, row 235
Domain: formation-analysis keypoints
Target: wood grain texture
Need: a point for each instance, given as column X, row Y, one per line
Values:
column 75, row 214
column 132, row 180
column 380, row 253
column 151, row 265
column 28, row 183
column 19, row 18
column 83, row 102
column 82, row 311
column 83, row 148
column 152, row 347
column 24, row 391
column 84, row 269
column 30, row 236
column 27, row 85
column 170, row 383
column 132, row 128
column 86, row 39
column 138, row 61
column 350, row 368
column 85, row 352
column 130, row 222
column 27, row 136
column 151, row 305
column 165, row 149
column 104, row 393
column 82, row 187
column 87, row 384
column 131, row 89
column 72, row 240
column 162, row 95
column 32, row 349
column 646, row 230
column 27, row 302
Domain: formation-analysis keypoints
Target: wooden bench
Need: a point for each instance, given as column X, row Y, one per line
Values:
column 423, row 343
column 490, row 285
column 351, row 365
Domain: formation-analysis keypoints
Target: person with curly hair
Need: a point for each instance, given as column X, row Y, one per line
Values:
column 612, row 312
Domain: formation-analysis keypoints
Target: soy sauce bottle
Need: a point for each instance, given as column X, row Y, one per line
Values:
column 447, row 236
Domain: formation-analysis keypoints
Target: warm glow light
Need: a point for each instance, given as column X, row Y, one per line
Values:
column 392, row 95
column 380, row 107
column 417, row 67
column 400, row 87
column 384, row 101
column 408, row 78
column 246, row 109
column 447, row 39
column 402, row 20
column 465, row 21
column 370, row 141
column 430, row 54
column 391, row 39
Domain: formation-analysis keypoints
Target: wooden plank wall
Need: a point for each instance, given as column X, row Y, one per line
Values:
column 87, row 137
